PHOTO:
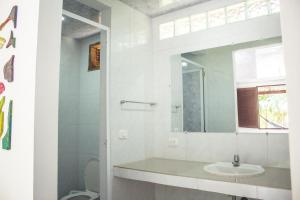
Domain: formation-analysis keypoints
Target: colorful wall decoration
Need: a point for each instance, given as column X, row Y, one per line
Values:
column 1, row 116
column 2, row 42
column 8, row 70
column 7, row 78
column 6, row 141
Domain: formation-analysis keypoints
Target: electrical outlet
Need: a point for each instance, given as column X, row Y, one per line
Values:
column 123, row 134
column 173, row 142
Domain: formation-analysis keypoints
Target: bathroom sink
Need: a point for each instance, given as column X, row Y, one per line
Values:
column 227, row 169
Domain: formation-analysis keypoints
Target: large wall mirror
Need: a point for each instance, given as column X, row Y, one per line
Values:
column 229, row 89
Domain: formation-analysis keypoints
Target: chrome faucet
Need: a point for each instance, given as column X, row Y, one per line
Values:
column 236, row 160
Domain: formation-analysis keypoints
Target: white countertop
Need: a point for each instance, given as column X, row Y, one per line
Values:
column 274, row 184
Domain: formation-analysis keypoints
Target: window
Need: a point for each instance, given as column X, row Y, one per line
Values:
column 257, row 8
column 272, row 101
column 198, row 22
column 216, row 17
column 261, row 88
column 263, row 107
column 236, row 12
column 274, row 6
column 182, row 26
column 166, row 30
column 246, row 9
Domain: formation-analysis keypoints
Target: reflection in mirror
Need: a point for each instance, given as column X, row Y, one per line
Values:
column 204, row 95
column 188, row 96
column 261, row 88
column 203, row 91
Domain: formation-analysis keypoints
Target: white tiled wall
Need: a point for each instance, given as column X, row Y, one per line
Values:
column 278, row 150
column 253, row 148
column 68, row 117
column 89, row 112
column 262, row 149
column 135, row 75
column 130, row 79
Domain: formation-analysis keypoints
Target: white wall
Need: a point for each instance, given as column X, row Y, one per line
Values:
column 46, row 98
column 16, row 169
column 290, row 12
column 270, row 150
column 23, row 168
column 68, row 127
column 130, row 79
column 176, row 94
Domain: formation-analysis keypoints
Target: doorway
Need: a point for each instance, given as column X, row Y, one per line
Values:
column 83, row 146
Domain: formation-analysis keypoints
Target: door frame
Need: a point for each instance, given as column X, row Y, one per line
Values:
column 104, row 131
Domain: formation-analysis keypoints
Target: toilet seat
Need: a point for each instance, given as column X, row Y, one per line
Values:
column 87, row 195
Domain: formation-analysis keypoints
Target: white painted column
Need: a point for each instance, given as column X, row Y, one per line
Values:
column 290, row 20
column 46, row 100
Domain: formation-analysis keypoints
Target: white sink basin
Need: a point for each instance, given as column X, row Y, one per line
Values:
column 227, row 169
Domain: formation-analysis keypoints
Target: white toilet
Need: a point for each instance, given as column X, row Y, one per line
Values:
column 91, row 179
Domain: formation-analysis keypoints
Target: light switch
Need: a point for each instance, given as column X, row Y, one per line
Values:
column 173, row 142
column 123, row 134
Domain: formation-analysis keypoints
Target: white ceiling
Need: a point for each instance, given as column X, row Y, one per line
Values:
column 75, row 29
column 154, row 8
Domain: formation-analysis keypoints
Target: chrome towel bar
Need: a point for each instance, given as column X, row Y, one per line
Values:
column 138, row 102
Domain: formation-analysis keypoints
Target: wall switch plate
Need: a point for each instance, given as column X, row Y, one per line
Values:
column 173, row 142
column 123, row 134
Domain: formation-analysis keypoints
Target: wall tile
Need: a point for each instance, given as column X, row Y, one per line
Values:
column 278, row 150
column 68, row 117
column 199, row 147
column 178, row 151
column 253, row 148
column 223, row 146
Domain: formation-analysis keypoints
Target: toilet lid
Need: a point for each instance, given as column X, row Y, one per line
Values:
column 91, row 176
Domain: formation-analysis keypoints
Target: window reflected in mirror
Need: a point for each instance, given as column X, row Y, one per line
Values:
column 261, row 88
